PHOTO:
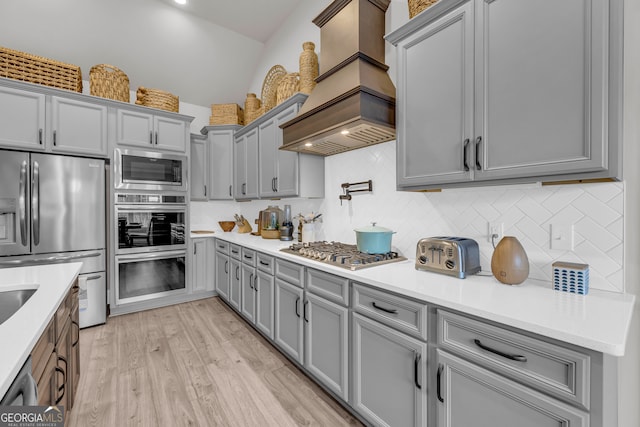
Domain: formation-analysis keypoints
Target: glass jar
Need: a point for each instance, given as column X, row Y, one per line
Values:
column 271, row 218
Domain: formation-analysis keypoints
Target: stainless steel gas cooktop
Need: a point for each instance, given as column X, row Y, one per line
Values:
column 341, row 255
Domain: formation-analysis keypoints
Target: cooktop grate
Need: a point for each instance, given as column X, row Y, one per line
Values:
column 341, row 255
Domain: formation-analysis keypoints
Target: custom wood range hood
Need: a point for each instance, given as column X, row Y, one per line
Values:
column 353, row 103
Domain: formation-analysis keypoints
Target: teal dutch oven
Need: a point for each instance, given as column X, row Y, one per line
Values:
column 373, row 239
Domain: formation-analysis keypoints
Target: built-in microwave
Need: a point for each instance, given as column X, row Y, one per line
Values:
column 149, row 170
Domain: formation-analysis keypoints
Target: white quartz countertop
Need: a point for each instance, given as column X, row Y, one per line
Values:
column 598, row 321
column 20, row 333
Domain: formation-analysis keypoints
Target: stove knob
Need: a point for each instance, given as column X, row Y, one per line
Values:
column 423, row 259
column 450, row 264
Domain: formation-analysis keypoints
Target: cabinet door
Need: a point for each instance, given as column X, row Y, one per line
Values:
column 248, row 297
column 74, row 339
column 264, row 302
column 198, row 265
column 468, row 395
column 435, row 102
column 63, row 350
column 221, row 164
column 327, row 343
column 288, row 320
column 199, row 171
column 287, row 178
column 170, row 134
column 222, row 275
column 22, row 119
column 541, row 80
column 234, row 284
column 268, row 157
column 78, row 127
column 134, row 128
column 251, row 191
column 389, row 375
column 246, row 166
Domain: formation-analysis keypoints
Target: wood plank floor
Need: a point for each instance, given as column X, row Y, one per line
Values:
column 193, row 364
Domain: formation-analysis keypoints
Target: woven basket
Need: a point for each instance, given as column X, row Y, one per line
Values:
column 270, row 87
column 36, row 69
column 288, row 85
column 110, row 82
column 417, row 6
column 226, row 114
column 252, row 108
column 156, row 98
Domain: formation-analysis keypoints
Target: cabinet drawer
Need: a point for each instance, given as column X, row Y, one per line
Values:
column 401, row 313
column 542, row 365
column 290, row 272
column 235, row 251
column 265, row 263
column 222, row 246
column 327, row 285
column 249, row 257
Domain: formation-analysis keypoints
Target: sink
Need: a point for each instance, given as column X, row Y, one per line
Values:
column 12, row 301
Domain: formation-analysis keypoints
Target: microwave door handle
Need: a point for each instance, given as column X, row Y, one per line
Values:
column 35, row 203
column 22, row 203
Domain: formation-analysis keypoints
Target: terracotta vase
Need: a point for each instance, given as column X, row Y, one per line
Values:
column 509, row 263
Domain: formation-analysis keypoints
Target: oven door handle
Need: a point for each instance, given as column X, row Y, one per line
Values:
column 151, row 208
column 154, row 255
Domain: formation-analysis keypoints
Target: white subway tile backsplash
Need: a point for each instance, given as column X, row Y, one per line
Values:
column 527, row 212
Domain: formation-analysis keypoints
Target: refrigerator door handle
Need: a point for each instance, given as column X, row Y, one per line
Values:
column 48, row 260
column 35, row 203
column 22, row 202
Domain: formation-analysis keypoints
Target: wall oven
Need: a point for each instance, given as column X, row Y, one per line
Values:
column 151, row 250
column 149, row 170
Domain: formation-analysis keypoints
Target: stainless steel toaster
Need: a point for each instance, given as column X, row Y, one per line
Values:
column 454, row 256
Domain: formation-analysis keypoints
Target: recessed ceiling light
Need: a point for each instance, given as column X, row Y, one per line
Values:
column 345, row 132
column 308, row 144
column 181, row 1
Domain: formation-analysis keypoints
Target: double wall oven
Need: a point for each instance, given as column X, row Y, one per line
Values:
column 150, row 203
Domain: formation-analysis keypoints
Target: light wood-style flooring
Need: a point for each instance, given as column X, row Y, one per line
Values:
column 193, row 364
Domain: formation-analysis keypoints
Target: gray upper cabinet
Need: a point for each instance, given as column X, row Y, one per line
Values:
column 468, row 395
column 278, row 168
column 22, row 119
column 153, row 131
column 508, row 91
column 199, row 171
column 36, row 121
column 245, row 155
column 220, row 160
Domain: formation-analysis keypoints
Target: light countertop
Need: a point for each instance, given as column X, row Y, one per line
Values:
column 20, row 333
column 598, row 321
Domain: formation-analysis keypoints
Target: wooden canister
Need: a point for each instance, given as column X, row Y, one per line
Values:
column 509, row 263
column 308, row 67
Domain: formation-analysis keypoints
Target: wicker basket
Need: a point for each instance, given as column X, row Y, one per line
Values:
column 270, row 87
column 289, row 85
column 417, row 6
column 110, row 82
column 156, row 98
column 252, row 108
column 226, row 114
column 36, row 69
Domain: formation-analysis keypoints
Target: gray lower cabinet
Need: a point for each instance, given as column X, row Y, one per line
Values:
column 199, row 266
column 485, row 94
column 468, row 395
column 289, row 328
column 248, row 295
column 235, row 287
column 222, row 274
column 389, row 375
column 326, row 354
column 264, row 290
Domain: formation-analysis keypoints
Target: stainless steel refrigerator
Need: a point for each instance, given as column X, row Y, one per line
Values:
column 52, row 210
